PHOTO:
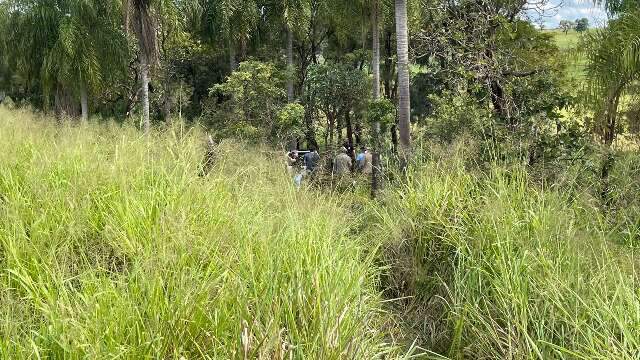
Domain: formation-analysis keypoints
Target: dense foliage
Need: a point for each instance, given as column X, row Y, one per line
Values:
column 492, row 211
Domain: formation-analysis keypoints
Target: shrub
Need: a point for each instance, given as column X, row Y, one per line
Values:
column 494, row 268
column 248, row 101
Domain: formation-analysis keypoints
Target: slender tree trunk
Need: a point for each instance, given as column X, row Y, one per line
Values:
column 233, row 64
column 310, row 134
column 388, row 64
column 404, row 102
column 144, row 72
column 375, row 60
column 331, row 128
column 167, row 102
column 610, row 116
column 394, row 138
column 375, row 67
column 609, row 136
column 84, row 103
column 339, row 125
column 243, row 48
column 290, row 69
column 347, row 119
column 357, row 131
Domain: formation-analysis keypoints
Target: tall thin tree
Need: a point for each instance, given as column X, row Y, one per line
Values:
column 375, row 69
column 140, row 19
column 292, row 15
column 404, row 103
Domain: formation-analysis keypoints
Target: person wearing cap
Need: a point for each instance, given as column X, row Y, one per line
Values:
column 342, row 163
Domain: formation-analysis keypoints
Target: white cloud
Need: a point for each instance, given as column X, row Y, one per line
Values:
column 552, row 12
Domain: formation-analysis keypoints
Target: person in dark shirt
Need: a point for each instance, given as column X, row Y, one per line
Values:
column 311, row 159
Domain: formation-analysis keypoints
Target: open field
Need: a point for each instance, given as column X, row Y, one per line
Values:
column 568, row 44
column 568, row 41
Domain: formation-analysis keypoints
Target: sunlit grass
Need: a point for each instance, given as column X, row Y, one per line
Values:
column 111, row 246
column 500, row 269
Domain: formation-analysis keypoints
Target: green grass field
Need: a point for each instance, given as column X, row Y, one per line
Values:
column 112, row 246
column 568, row 44
column 568, row 41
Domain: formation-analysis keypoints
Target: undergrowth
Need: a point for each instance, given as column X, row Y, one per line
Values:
column 112, row 246
column 489, row 265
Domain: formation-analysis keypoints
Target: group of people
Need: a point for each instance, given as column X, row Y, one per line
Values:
column 309, row 163
column 343, row 164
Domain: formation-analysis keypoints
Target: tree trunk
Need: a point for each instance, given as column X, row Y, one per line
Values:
column 404, row 103
column 347, row 119
column 375, row 68
column 290, row 69
column 84, row 103
column 357, row 131
column 233, row 64
column 339, row 125
column 243, row 48
column 330, row 129
column 167, row 103
column 610, row 116
column 65, row 104
column 310, row 133
column 609, row 136
column 388, row 64
column 394, row 138
column 375, row 60
column 144, row 71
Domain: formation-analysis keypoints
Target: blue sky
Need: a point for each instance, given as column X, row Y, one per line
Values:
column 552, row 11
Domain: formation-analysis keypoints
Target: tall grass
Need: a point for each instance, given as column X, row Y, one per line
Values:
column 111, row 246
column 495, row 268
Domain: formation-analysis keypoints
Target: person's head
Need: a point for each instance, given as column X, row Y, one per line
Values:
column 363, row 149
column 344, row 150
column 312, row 148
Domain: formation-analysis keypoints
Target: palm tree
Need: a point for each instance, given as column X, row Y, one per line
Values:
column 613, row 67
column 293, row 15
column 404, row 104
column 138, row 17
column 231, row 21
column 375, row 59
column 70, row 46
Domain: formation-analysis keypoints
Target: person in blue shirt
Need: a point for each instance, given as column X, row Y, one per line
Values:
column 360, row 158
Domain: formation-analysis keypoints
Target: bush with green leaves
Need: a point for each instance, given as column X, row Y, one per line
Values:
column 336, row 89
column 289, row 122
column 381, row 111
column 250, row 99
column 456, row 114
